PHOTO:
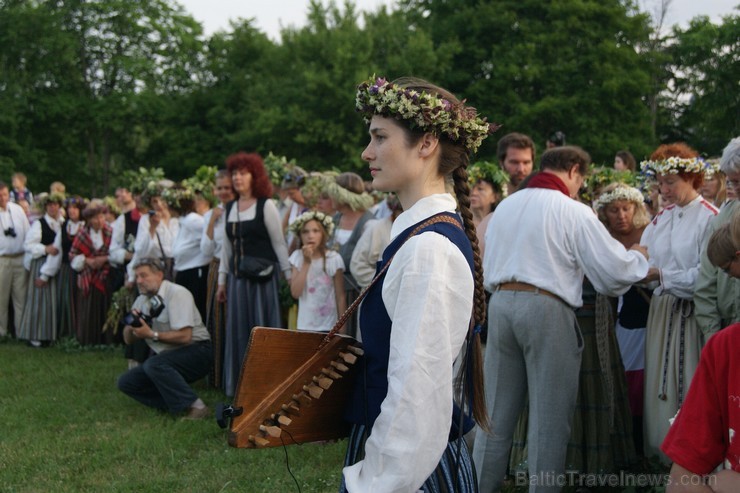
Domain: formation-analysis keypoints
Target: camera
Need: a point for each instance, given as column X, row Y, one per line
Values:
column 10, row 232
column 151, row 212
column 156, row 305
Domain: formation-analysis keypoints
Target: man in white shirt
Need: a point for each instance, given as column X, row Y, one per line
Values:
column 13, row 277
column 539, row 244
column 516, row 155
column 175, row 332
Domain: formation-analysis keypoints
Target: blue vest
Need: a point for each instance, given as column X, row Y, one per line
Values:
column 371, row 383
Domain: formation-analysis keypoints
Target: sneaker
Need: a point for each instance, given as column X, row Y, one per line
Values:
column 197, row 413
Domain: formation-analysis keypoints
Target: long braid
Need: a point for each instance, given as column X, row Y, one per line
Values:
column 462, row 192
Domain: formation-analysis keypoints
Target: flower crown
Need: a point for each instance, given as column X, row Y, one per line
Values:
column 325, row 221
column 619, row 193
column 712, row 168
column 491, row 172
column 672, row 165
column 355, row 201
column 600, row 176
column 175, row 195
column 424, row 111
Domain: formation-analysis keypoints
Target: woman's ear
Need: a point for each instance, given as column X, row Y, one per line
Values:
column 428, row 145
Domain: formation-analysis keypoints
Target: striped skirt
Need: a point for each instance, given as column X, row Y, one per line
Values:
column 455, row 472
column 39, row 321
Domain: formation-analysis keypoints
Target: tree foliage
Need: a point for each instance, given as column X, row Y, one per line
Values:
column 91, row 88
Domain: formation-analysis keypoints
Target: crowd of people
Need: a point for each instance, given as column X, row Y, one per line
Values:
column 601, row 291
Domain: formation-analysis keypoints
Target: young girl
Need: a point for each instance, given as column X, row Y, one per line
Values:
column 318, row 274
column 415, row 319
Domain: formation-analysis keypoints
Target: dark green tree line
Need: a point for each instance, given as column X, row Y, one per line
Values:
column 90, row 88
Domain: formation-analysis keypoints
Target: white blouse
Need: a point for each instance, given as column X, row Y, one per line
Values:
column 35, row 249
column 428, row 293
column 674, row 239
column 212, row 247
column 186, row 247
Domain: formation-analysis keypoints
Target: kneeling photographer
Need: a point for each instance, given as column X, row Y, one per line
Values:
column 165, row 316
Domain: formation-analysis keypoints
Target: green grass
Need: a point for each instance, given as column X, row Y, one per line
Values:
column 65, row 427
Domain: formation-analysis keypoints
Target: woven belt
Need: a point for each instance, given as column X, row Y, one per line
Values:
column 11, row 255
column 523, row 286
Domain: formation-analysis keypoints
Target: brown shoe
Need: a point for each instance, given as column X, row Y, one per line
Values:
column 197, row 413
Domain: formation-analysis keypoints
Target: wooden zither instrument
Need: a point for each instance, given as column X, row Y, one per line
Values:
column 293, row 388
column 294, row 385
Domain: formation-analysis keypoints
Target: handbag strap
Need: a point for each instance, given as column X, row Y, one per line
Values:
column 440, row 218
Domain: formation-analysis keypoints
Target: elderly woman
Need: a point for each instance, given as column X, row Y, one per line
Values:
column 253, row 255
column 622, row 210
column 43, row 245
column 717, row 295
column 674, row 239
column 89, row 257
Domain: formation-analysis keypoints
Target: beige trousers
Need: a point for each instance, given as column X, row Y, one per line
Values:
column 13, row 284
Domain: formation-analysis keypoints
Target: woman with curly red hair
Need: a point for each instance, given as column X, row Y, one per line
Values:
column 674, row 239
column 252, row 257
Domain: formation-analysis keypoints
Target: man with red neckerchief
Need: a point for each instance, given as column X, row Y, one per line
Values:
column 539, row 244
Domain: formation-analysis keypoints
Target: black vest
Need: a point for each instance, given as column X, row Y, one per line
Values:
column 47, row 234
column 249, row 238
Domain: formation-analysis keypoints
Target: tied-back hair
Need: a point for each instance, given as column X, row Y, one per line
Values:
column 454, row 160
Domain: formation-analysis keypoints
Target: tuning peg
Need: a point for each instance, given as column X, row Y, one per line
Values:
column 273, row 431
column 259, row 441
column 350, row 359
column 282, row 419
column 323, row 382
column 357, row 350
column 340, row 366
column 313, row 390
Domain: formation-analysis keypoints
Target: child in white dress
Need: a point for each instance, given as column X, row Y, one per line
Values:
column 317, row 280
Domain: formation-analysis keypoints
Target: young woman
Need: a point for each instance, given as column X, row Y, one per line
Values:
column 674, row 239
column 415, row 319
column 67, row 276
column 155, row 233
column 317, row 281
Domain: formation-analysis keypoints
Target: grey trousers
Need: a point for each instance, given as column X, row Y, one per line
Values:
column 534, row 348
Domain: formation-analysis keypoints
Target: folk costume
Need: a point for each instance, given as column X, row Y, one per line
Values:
column 255, row 232
column 402, row 405
column 39, row 322
column 158, row 245
column 674, row 239
column 93, row 285
column 525, row 356
column 215, row 312
column 67, row 283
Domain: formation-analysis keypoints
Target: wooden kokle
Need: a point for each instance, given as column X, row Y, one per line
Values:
column 293, row 388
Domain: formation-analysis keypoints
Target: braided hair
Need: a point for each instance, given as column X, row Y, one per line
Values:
column 453, row 163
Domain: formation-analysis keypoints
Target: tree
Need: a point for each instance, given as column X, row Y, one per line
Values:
column 93, row 60
column 537, row 67
column 705, row 97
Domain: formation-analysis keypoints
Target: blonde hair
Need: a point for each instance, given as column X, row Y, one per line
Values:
column 640, row 219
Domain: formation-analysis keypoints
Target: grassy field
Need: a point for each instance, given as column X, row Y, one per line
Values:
column 65, row 427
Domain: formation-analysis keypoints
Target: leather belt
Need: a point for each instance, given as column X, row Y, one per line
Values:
column 11, row 255
column 523, row 286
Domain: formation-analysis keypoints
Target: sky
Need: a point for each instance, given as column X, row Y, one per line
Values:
column 270, row 15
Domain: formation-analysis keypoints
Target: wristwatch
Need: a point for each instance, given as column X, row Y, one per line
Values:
column 155, row 337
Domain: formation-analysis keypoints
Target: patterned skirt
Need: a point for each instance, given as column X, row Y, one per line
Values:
column 454, row 473
column 672, row 348
column 39, row 321
column 92, row 310
column 249, row 304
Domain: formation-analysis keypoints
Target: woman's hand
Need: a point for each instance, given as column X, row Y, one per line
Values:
column 51, row 250
column 221, row 293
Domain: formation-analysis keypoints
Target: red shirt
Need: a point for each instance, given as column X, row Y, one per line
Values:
column 703, row 435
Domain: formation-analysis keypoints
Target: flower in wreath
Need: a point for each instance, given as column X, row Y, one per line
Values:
column 601, row 176
column 176, row 195
column 276, row 167
column 491, row 173
column 324, row 219
column 316, row 186
column 673, row 165
column 424, row 111
column 139, row 180
column 712, row 167
column 202, row 183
